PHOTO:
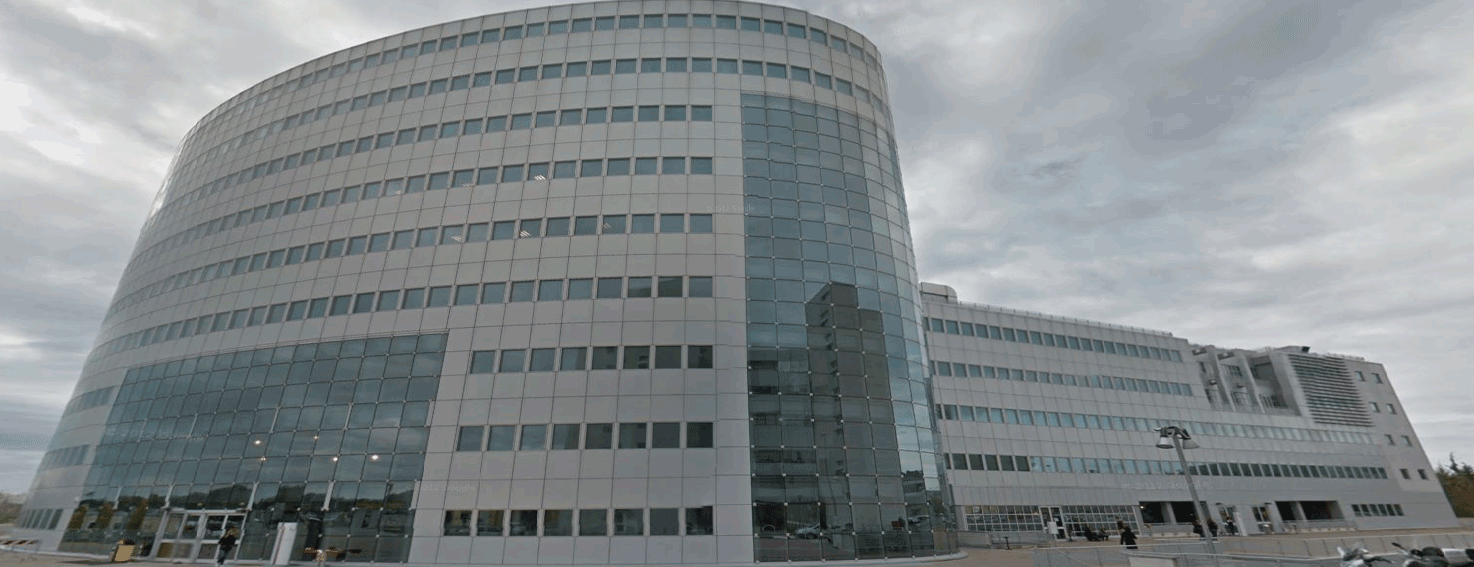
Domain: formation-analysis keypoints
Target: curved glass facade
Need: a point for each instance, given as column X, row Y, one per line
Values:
column 845, row 457
column 618, row 282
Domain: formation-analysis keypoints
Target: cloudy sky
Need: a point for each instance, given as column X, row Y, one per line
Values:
column 1239, row 173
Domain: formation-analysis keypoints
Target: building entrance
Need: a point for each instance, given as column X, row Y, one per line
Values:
column 189, row 536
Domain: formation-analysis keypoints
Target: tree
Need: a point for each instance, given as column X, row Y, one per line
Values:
column 1458, row 485
column 10, row 507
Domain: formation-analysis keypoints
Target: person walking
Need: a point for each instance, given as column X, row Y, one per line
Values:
column 1128, row 537
column 1197, row 528
column 1213, row 528
column 226, row 545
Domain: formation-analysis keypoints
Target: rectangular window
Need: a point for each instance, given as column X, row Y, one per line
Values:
column 470, row 438
column 591, row 167
column 522, row 291
column 452, row 234
column 573, row 358
column 639, row 287
column 613, row 224
column 593, row 522
column 557, row 523
column 363, row 303
column 675, row 65
column 457, row 523
column 413, row 299
column 650, row 65
column 534, row 438
column 622, row 114
column 341, row 304
column 439, row 297
column 501, row 437
column 700, row 356
column 642, row 224
column 699, row 435
column 523, row 522
column 565, row 437
column 599, row 436
column 605, row 358
column 665, row 521
column 388, row 301
column 512, row 361
column 632, row 436
column 493, row 293
column 667, row 357
column 550, row 290
column 629, row 522
column 467, row 294
column 542, row 360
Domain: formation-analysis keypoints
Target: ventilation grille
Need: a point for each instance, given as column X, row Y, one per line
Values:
column 1330, row 395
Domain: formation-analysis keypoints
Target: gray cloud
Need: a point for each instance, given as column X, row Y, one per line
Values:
column 1239, row 173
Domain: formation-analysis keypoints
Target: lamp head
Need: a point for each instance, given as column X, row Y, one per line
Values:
column 1188, row 443
column 1165, row 442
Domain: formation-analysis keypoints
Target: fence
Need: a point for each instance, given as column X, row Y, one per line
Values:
column 1325, row 547
column 1248, row 551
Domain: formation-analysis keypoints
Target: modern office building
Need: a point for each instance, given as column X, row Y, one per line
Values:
column 1051, row 419
column 605, row 283
column 630, row 283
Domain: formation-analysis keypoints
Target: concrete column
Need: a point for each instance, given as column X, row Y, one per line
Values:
column 1299, row 511
column 1167, row 514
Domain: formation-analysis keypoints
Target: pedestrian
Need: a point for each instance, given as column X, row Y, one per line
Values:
column 1212, row 527
column 226, row 545
column 1231, row 527
column 1197, row 529
column 1128, row 537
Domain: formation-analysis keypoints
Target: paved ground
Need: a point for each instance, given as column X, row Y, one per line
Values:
column 976, row 557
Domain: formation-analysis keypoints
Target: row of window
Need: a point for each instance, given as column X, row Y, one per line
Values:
column 549, row 28
column 574, row 436
column 418, row 298
column 590, row 522
column 601, row 358
column 1048, row 339
column 474, row 126
column 1372, row 510
column 46, row 519
column 1119, row 423
column 65, row 457
column 1406, row 440
column 1422, row 474
column 668, row 165
column 1108, row 382
column 1377, row 408
column 1020, row 463
column 488, row 78
column 416, row 238
column 1363, row 377
column 89, row 399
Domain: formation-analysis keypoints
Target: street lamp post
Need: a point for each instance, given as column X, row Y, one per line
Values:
column 1174, row 437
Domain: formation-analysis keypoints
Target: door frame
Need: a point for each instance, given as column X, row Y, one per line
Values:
column 203, row 537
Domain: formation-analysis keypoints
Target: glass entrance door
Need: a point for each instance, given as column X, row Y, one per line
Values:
column 193, row 535
column 1054, row 521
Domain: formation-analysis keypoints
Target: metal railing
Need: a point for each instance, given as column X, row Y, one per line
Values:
column 1323, row 547
column 1248, row 551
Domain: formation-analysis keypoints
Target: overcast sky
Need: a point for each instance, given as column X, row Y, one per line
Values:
column 1244, row 174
